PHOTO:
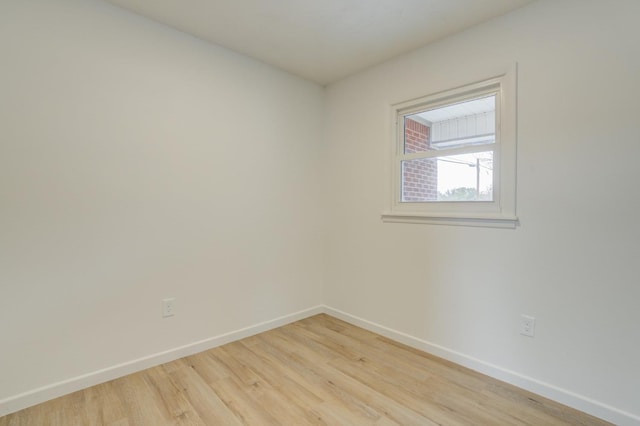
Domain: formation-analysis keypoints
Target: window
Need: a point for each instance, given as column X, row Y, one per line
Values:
column 453, row 156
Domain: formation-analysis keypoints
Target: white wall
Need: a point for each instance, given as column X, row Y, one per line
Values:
column 138, row 163
column 573, row 261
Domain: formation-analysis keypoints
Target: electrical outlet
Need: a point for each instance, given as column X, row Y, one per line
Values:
column 168, row 307
column 527, row 325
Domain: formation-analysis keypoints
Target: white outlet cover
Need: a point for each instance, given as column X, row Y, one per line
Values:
column 527, row 325
column 168, row 307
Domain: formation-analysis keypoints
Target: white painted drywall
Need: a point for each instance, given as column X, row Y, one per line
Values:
column 139, row 163
column 572, row 262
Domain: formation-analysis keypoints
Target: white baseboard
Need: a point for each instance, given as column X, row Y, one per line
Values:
column 563, row 396
column 45, row 393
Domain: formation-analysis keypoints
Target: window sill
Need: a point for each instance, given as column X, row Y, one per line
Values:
column 485, row 221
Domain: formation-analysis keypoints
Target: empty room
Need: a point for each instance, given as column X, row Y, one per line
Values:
column 390, row 212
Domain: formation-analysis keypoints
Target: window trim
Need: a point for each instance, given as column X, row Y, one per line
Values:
column 499, row 213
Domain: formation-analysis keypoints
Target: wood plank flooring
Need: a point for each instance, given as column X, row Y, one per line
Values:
column 318, row 371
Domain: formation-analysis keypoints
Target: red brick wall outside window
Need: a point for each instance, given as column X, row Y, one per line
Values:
column 419, row 177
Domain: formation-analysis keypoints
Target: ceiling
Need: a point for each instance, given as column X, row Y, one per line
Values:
column 321, row 40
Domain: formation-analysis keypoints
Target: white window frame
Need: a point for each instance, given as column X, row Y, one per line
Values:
column 499, row 213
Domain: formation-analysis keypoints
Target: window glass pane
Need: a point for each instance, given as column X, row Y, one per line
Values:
column 465, row 177
column 452, row 126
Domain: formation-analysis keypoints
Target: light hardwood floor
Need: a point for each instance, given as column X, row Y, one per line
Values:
column 316, row 371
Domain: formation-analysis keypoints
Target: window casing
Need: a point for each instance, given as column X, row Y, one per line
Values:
column 464, row 176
